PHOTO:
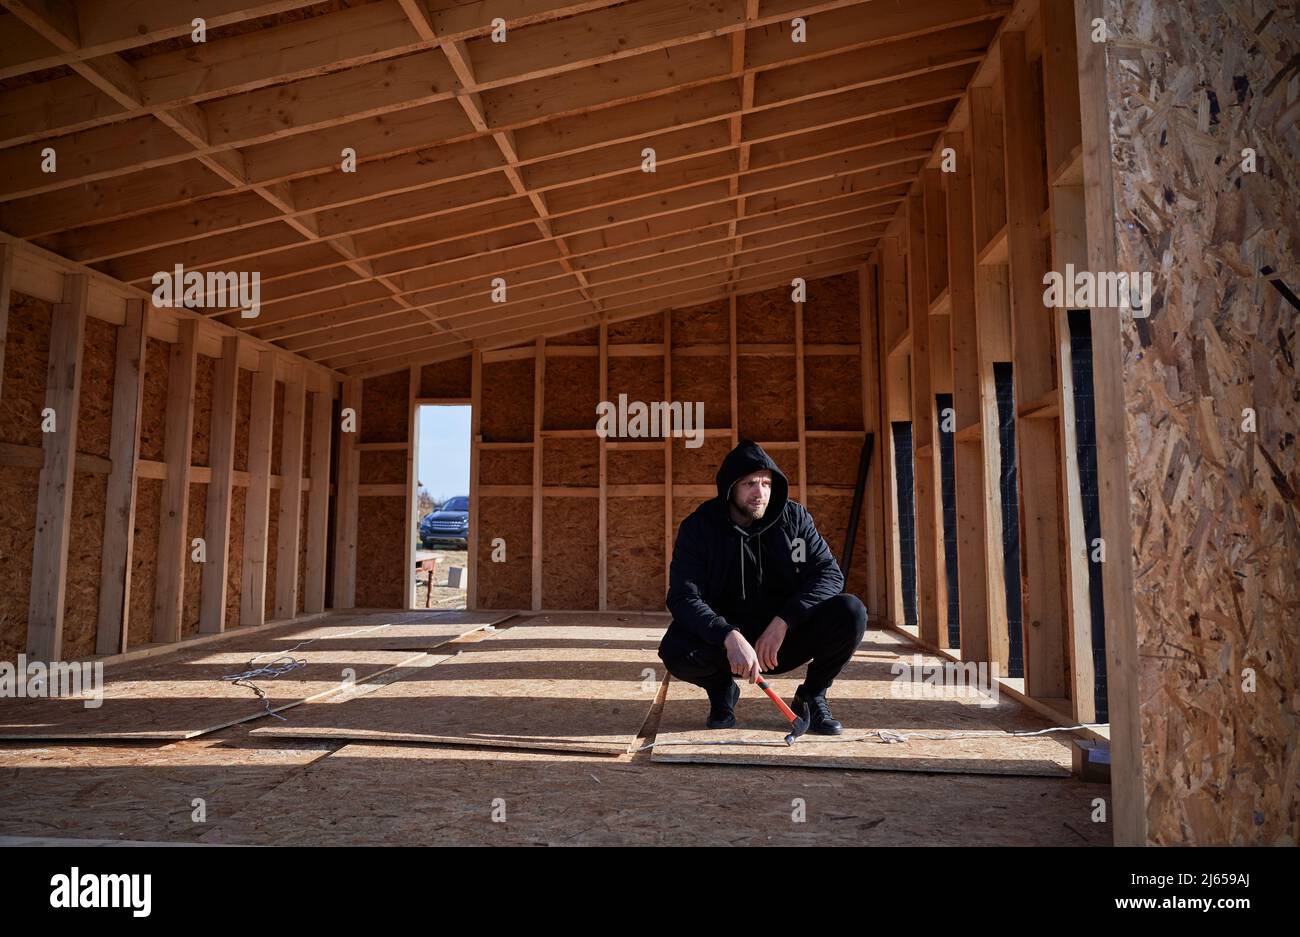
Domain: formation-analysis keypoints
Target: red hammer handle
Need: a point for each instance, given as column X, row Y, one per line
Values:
column 780, row 703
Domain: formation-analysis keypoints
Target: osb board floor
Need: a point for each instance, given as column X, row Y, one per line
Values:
column 863, row 699
column 183, row 695
column 269, row 791
column 288, row 792
column 562, row 682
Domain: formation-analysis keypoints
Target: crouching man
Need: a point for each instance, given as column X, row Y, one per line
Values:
column 753, row 588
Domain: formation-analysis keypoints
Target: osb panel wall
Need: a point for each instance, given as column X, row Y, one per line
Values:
column 507, row 401
column 787, row 460
column 194, row 521
column 589, row 336
column 708, row 381
column 89, row 491
column 18, row 487
column 570, row 463
column 507, row 584
column 301, row 606
column 831, row 515
column 204, row 374
column 635, row 562
column 381, row 553
column 27, row 352
column 273, row 538
column 832, row 392
column 640, row 377
column 644, row 330
column 144, row 560
column 1192, row 83
column 446, row 378
column 634, row 466
column 277, row 428
column 572, row 392
column 766, row 317
column 832, row 461
column 95, row 407
column 830, row 315
column 765, row 398
column 699, row 466
column 709, row 324
column 505, row 466
column 382, row 526
column 243, row 413
column 570, row 554
column 383, row 467
column 153, row 410
column 85, row 557
column 235, row 563
column 384, row 404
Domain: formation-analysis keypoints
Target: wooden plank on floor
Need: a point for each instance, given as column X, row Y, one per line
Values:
column 183, row 694
column 557, row 681
column 54, row 495
column 119, row 498
column 863, row 698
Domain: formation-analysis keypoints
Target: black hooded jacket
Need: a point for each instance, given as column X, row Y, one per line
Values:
column 715, row 561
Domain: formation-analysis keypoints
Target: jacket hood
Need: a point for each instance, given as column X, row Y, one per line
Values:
column 747, row 457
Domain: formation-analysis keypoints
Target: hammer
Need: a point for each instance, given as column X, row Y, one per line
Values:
column 798, row 724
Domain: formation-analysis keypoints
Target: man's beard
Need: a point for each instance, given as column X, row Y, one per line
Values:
column 752, row 514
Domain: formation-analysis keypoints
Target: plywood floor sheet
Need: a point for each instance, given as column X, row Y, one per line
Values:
column 183, row 695
column 553, row 682
column 863, row 698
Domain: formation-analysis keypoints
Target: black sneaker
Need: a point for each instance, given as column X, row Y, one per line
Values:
column 820, row 720
column 722, row 704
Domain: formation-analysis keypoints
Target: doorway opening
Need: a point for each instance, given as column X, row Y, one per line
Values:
column 441, row 521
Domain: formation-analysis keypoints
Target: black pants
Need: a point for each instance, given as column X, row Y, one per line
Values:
column 827, row 638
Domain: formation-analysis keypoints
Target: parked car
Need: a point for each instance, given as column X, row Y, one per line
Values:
column 448, row 524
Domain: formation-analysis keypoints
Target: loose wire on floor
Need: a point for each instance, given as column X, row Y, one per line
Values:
column 282, row 664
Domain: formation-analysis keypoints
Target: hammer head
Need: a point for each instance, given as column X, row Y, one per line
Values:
column 800, row 724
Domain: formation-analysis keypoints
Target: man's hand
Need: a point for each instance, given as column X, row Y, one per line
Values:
column 769, row 643
column 741, row 656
